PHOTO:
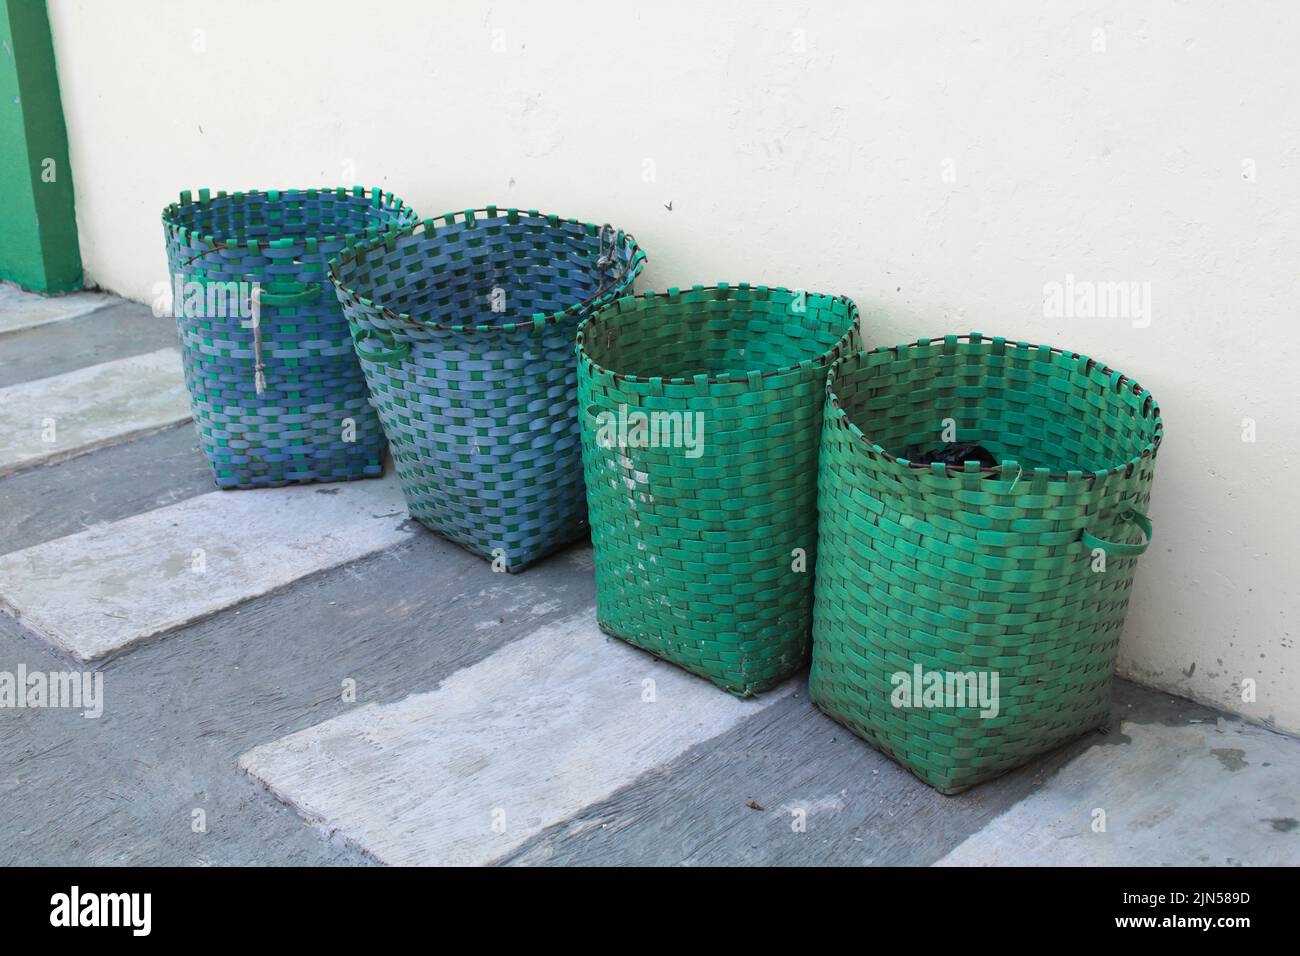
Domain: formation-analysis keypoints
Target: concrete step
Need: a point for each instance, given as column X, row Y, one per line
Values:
column 25, row 310
column 1215, row 793
column 62, row 416
column 94, row 593
column 505, row 748
column 117, row 330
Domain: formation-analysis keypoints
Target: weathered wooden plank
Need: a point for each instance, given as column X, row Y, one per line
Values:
column 503, row 749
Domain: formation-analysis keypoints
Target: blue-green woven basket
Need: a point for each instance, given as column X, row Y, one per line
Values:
column 279, row 400
column 465, row 327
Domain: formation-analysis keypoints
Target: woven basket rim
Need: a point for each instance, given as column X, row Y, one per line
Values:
column 827, row 358
column 636, row 263
column 378, row 198
column 1118, row 381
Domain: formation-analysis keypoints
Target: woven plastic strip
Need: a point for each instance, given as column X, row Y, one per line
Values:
column 701, row 418
column 465, row 327
column 277, row 393
column 967, row 617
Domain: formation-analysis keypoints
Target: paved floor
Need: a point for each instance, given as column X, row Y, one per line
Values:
column 411, row 705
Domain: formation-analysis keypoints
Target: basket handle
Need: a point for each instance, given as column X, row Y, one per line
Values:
column 299, row 294
column 292, row 293
column 1122, row 549
column 394, row 351
column 606, row 259
column 286, row 294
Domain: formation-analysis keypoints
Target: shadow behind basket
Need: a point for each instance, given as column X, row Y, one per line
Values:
column 465, row 327
column 705, row 525
column 284, row 402
column 963, row 574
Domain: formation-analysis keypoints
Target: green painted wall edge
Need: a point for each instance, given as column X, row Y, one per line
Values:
column 38, row 223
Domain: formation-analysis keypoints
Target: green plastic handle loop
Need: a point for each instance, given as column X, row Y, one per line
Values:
column 1122, row 549
column 301, row 294
column 301, row 297
column 394, row 351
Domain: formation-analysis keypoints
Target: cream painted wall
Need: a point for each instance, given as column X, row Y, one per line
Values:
column 938, row 162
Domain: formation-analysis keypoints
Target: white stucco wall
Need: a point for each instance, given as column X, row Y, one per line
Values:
column 938, row 162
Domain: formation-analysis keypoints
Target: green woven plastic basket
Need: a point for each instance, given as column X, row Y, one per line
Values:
column 701, row 414
column 967, row 617
column 464, row 326
column 278, row 398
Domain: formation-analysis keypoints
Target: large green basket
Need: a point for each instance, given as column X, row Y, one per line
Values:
column 703, row 513
column 967, row 617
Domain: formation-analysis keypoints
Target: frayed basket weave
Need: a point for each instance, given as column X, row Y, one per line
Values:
column 277, row 394
column 967, row 617
column 701, row 415
column 465, row 326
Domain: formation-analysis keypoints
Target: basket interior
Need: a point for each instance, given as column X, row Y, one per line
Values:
column 487, row 272
column 1042, row 413
column 706, row 332
column 293, row 214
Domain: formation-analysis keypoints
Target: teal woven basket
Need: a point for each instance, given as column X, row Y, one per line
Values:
column 967, row 616
column 701, row 413
column 278, row 397
column 464, row 326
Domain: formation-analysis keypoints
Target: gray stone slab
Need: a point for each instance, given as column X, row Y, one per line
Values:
column 116, row 330
column 858, row 807
column 97, row 592
column 178, row 713
column 1204, row 794
column 21, row 310
column 159, row 469
column 524, row 739
column 825, row 797
column 52, row 419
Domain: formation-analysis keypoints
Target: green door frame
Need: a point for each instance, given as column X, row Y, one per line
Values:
column 38, row 222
